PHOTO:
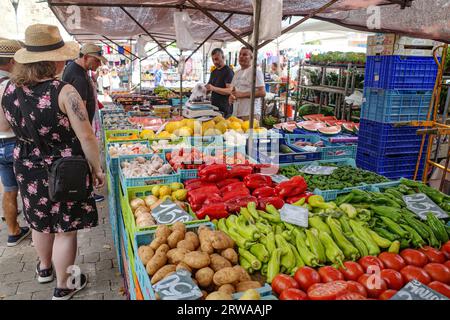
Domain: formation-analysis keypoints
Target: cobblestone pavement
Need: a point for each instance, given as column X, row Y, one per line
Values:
column 96, row 257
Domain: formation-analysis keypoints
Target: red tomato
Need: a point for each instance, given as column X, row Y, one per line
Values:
column 438, row 272
column 282, row 282
column 367, row 261
column 414, row 257
column 351, row 296
column 327, row 291
column 357, row 287
column 440, row 287
column 447, row 255
column 392, row 278
column 374, row 284
column 387, row 294
column 412, row 272
column 351, row 270
column 306, row 277
column 293, row 294
column 328, row 274
column 447, row 264
column 446, row 247
column 434, row 255
column 392, row 260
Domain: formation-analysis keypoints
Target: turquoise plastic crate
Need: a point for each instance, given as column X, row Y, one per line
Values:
column 381, row 186
column 113, row 162
column 329, row 152
column 342, row 162
column 138, row 182
column 187, row 174
column 145, row 238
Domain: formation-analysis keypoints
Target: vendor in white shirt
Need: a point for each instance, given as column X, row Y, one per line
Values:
column 242, row 84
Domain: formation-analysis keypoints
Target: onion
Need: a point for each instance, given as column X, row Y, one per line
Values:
column 135, row 203
column 141, row 209
column 150, row 200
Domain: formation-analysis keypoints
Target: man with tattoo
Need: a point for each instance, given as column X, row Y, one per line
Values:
column 76, row 73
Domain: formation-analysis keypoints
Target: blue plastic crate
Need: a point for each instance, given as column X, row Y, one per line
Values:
column 395, row 105
column 137, row 182
column 274, row 158
column 187, row 174
column 113, row 162
column 400, row 72
column 145, row 238
column 176, row 101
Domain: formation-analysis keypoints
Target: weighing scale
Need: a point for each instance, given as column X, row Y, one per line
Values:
column 202, row 111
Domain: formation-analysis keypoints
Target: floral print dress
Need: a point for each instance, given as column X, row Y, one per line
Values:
column 53, row 126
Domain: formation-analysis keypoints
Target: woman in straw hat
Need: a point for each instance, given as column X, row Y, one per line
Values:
column 61, row 120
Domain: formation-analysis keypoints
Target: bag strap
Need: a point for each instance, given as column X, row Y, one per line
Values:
column 24, row 107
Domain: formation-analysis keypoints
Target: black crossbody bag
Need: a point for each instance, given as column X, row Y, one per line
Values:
column 67, row 176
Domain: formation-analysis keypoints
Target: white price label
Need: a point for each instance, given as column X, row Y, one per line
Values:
column 278, row 178
column 420, row 204
column 294, row 215
column 168, row 212
column 178, row 286
column 322, row 170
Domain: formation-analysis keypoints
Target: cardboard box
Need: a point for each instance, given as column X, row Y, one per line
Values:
column 401, row 50
column 392, row 38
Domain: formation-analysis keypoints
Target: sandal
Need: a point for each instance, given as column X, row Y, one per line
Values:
column 67, row 294
column 44, row 275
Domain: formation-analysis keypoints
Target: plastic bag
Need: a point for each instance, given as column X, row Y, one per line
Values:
column 356, row 98
column 198, row 93
column 270, row 22
column 182, row 23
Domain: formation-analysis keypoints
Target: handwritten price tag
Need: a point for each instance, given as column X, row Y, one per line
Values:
column 415, row 290
column 294, row 215
column 420, row 204
column 168, row 212
column 178, row 286
column 319, row 170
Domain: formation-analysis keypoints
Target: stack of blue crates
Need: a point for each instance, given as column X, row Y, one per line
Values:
column 396, row 89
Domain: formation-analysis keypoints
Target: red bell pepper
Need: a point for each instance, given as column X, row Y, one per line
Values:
column 240, row 171
column 264, row 192
column 197, row 185
column 235, row 194
column 226, row 182
column 234, row 205
column 294, row 199
column 213, row 198
column 198, row 196
column 256, row 180
column 213, row 211
column 213, row 173
column 291, row 188
column 275, row 201
column 232, row 186
column 188, row 182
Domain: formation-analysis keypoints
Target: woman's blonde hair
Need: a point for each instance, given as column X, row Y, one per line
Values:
column 30, row 74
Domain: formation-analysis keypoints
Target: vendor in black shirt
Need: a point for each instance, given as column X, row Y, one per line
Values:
column 219, row 82
column 76, row 73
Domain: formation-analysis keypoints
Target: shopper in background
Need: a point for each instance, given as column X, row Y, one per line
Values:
column 159, row 76
column 106, row 81
column 242, row 84
column 115, row 80
column 7, row 143
column 60, row 118
column 220, row 82
column 76, row 73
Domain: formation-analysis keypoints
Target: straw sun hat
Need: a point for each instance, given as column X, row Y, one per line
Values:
column 8, row 48
column 43, row 42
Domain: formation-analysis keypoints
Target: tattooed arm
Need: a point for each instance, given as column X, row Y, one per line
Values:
column 4, row 125
column 71, row 104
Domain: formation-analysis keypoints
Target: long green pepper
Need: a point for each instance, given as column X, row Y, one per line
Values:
column 307, row 256
column 316, row 247
column 332, row 251
column 345, row 245
column 362, row 234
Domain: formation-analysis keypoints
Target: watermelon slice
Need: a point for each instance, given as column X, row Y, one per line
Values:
column 326, row 118
column 305, row 123
column 314, row 127
column 289, row 126
column 313, row 116
column 348, row 127
column 330, row 131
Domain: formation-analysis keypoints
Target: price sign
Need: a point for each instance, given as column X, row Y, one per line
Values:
column 415, row 290
column 294, row 215
column 420, row 204
column 168, row 212
column 322, row 170
column 278, row 178
column 178, row 286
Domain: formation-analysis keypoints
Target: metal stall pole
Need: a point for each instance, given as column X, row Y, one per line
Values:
column 181, row 82
column 287, row 89
column 299, row 89
column 140, row 76
column 254, row 66
column 131, row 69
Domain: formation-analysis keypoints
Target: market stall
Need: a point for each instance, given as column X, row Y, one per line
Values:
column 235, row 211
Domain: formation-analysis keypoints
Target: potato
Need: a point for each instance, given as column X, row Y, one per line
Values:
column 228, row 288
column 158, row 260
column 186, row 244
column 163, row 272
column 150, row 200
column 175, row 237
column 136, row 203
column 219, row 295
column 161, row 235
column 204, row 276
column 230, row 255
column 196, row 260
column 218, row 262
column 141, row 209
column 220, row 240
column 204, row 236
column 244, row 286
column 180, row 226
column 145, row 253
column 176, row 255
column 184, row 266
column 243, row 274
column 225, row 276
column 192, row 237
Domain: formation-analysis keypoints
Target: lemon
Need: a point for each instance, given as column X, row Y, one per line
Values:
column 155, row 191
column 147, row 134
column 222, row 126
column 179, row 195
column 166, row 197
column 176, row 186
column 172, row 126
column 164, row 135
column 218, row 119
column 164, row 191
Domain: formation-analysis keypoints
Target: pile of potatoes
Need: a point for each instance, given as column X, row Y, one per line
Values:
column 209, row 255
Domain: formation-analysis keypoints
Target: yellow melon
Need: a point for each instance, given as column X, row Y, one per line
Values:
column 235, row 125
column 185, row 132
column 172, row 126
column 164, row 135
column 212, row 132
column 218, row 119
column 222, row 126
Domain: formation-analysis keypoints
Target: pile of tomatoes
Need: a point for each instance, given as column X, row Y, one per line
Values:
column 370, row 277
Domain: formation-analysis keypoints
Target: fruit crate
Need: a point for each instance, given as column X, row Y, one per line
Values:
column 121, row 135
column 130, row 222
column 143, row 181
column 145, row 238
column 175, row 102
column 393, row 167
column 297, row 156
column 400, row 72
column 113, row 162
column 329, row 151
column 380, row 187
column 129, row 261
column 391, row 106
column 113, row 220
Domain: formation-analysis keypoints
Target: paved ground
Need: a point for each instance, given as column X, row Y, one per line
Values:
column 96, row 257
